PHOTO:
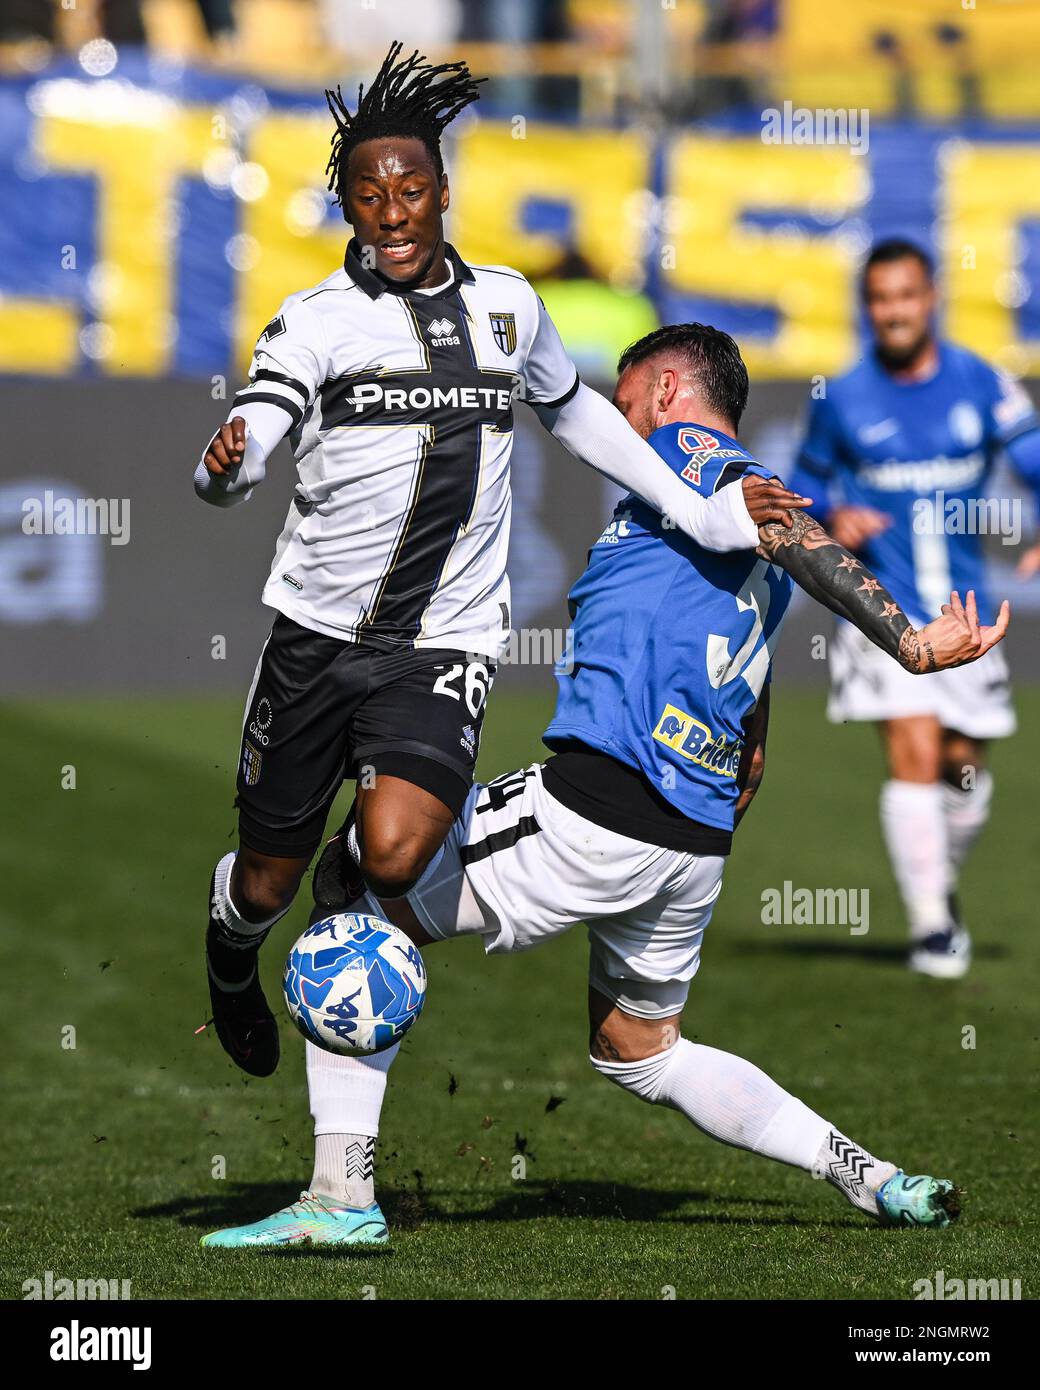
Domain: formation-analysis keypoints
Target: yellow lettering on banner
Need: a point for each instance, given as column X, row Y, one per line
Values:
column 809, row 278
column 293, row 151
column 598, row 174
column 137, row 162
column 988, row 190
column 37, row 335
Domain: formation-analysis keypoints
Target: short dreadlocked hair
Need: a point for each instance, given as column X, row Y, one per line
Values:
column 712, row 357
column 406, row 99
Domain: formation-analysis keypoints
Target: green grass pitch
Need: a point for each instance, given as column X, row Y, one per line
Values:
column 113, row 1148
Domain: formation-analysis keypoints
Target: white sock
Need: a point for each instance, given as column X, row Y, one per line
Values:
column 966, row 813
column 854, row 1172
column 346, row 1098
column 343, row 1168
column 914, row 826
column 735, row 1102
column 353, row 844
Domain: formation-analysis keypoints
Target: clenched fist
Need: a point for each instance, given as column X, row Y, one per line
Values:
column 227, row 448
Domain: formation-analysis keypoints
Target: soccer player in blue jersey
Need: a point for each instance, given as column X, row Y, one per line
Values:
column 658, row 747
column 899, row 455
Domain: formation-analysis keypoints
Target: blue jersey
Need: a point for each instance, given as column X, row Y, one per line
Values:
column 921, row 452
column 672, row 643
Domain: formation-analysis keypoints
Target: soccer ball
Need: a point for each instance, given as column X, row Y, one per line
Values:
column 354, row 984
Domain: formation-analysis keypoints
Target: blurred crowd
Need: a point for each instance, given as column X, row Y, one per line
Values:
column 534, row 50
column 342, row 23
column 601, row 60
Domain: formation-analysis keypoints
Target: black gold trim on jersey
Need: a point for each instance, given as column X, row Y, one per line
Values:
column 448, row 466
column 374, row 285
column 247, row 396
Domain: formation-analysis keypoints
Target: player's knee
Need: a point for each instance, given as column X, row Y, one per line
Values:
column 393, row 862
column 642, row 1076
column 914, row 752
column 609, row 1043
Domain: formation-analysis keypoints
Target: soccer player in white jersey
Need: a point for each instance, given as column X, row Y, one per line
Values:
column 899, row 455
column 395, row 379
column 659, row 743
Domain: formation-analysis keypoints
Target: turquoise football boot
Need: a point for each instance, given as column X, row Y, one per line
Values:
column 309, row 1221
column 922, row 1201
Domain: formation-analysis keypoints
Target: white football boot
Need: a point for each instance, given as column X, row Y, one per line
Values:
column 945, row 955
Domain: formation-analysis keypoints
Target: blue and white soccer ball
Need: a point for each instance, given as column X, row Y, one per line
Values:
column 354, row 984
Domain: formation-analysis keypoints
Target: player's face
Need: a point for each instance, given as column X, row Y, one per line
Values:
column 633, row 395
column 396, row 204
column 900, row 301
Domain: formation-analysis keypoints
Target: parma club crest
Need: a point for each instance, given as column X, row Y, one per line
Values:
column 503, row 326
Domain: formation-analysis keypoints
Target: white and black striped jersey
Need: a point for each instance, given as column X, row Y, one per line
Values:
column 401, row 409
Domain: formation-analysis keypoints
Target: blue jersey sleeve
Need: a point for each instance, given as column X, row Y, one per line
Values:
column 1010, row 410
column 1014, row 424
column 820, row 453
column 818, row 459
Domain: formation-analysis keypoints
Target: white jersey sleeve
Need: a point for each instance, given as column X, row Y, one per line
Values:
column 290, row 361
column 550, row 377
column 265, row 428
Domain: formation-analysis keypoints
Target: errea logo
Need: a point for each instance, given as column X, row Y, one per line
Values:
column 440, row 331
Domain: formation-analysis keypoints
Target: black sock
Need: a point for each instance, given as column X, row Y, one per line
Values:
column 232, row 965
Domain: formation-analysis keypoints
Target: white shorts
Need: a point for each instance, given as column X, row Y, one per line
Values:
column 866, row 684
column 519, row 868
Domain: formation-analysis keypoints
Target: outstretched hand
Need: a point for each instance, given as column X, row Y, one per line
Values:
column 956, row 637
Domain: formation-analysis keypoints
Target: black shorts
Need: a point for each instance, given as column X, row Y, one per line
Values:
column 322, row 710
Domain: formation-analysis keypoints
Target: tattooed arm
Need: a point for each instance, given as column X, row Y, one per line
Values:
column 835, row 578
column 752, row 755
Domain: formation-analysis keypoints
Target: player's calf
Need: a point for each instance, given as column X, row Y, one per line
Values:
column 263, row 886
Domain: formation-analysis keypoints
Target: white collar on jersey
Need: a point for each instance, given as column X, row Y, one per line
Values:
column 374, row 285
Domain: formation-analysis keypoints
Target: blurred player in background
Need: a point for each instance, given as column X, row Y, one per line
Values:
column 897, row 454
